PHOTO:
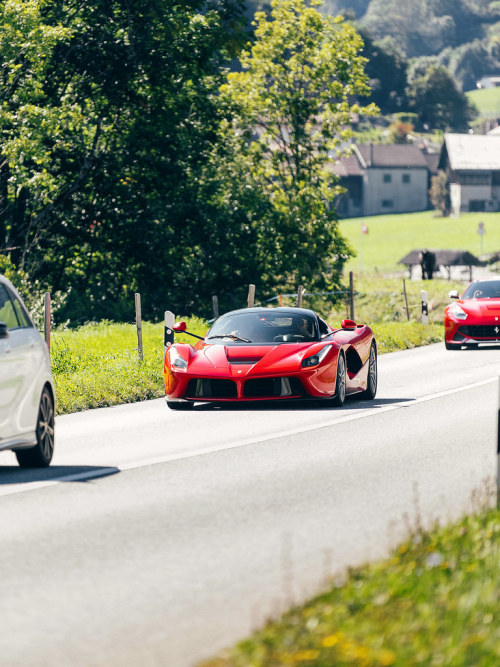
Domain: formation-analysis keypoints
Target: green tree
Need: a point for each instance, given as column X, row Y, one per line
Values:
column 119, row 202
column 440, row 193
column 295, row 98
column 438, row 103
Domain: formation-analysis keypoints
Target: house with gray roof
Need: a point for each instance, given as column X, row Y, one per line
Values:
column 383, row 178
column 472, row 163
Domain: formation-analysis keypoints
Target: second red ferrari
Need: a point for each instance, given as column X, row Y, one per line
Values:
column 474, row 318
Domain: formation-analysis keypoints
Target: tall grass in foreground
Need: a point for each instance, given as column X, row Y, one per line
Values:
column 434, row 602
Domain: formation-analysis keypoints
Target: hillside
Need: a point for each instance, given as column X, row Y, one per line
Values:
column 463, row 35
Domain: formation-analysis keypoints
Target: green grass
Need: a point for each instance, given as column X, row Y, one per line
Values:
column 487, row 101
column 433, row 602
column 97, row 365
column 391, row 237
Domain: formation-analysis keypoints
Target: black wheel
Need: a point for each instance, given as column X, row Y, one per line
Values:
column 371, row 385
column 180, row 405
column 339, row 398
column 41, row 454
column 450, row 346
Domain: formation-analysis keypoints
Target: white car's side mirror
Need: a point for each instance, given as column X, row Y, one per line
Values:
column 453, row 294
column 4, row 331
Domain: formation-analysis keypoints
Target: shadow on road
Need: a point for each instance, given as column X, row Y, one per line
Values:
column 352, row 403
column 16, row 475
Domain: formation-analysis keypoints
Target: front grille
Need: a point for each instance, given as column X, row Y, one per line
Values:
column 203, row 388
column 267, row 387
column 489, row 331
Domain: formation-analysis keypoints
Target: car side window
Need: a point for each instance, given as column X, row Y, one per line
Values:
column 323, row 328
column 12, row 311
column 7, row 312
column 24, row 320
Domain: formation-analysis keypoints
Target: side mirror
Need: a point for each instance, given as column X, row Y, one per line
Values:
column 453, row 294
column 179, row 327
column 4, row 331
column 348, row 324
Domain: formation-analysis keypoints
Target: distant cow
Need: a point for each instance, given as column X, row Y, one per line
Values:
column 428, row 264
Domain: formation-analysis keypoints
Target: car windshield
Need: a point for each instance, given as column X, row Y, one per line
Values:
column 261, row 327
column 488, row 289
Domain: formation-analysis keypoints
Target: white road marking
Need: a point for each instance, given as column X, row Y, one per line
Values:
column 110, row 470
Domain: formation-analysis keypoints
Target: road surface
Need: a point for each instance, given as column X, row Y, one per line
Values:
column 159, row 537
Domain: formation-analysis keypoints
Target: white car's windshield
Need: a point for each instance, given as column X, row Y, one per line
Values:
column 261, row 327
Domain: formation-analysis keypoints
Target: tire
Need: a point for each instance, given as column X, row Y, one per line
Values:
column 41, row 454
column 450, row 346
column 340, row 383
column 180, row 405
column 371, row 385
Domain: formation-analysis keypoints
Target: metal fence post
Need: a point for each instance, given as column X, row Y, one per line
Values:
column 47, row 318
column 425, row 313
column 138, row 324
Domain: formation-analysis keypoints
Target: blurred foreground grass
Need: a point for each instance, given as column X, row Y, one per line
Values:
column 434, row 602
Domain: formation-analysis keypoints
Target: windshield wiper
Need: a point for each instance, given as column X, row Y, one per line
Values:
column 230, row 335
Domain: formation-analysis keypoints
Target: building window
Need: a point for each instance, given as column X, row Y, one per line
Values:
column 475, row 179
column 387, row 203
column 406, row 178
column 387, row 178
column 477, row 205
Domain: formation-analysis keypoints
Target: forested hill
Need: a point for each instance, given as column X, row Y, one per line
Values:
column 463, row 35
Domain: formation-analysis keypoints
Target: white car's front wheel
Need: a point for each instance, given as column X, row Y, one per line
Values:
column 41, row 454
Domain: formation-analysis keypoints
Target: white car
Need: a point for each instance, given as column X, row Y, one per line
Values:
column 26, row 385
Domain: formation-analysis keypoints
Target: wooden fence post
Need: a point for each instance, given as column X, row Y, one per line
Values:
column 251, row 296
column 47, row 318
column 215, row 306
column 138, row 324
column 351, row 296
column 281, row 300
column 300, row 292
column 406, row 300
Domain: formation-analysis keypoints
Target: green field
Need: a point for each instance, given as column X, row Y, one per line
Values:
column 487, row 101
column 391, row 237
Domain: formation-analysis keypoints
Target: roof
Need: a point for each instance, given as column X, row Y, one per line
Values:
column 383, row 156
column 391, row 155
column 443, row 258
column 473, row 151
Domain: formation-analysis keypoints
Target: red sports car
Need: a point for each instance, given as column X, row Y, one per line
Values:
column 256, row 354
column 474, row 318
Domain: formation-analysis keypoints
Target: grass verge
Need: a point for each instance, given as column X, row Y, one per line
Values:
column 434, row 602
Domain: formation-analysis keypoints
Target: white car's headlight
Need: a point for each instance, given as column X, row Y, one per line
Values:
column 316, row 358
column 458, row 312
column 176, row 359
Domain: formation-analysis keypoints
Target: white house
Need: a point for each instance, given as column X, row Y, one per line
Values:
column 472, row 163
column 383, row 178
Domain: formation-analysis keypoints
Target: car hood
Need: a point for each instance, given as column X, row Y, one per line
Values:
column 241, row 360
column 481, row 307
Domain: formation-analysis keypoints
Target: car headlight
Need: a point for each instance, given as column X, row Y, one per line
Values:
column 176, row 359
column 458, row 312
column 316, row 358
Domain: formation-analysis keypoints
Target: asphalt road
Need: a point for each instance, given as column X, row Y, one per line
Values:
column 158, row 537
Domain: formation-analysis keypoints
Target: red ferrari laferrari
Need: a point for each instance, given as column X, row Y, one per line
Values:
column 474, row 318
column 262, row 354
